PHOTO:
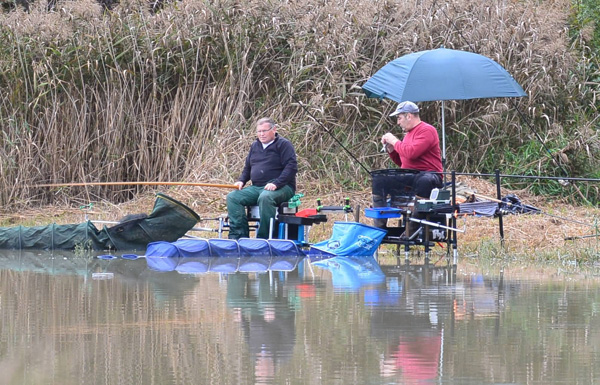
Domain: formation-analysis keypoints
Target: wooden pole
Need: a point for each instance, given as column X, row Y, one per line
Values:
column 231, row 186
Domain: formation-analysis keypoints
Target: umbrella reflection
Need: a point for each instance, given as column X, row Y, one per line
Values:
column 415, row 307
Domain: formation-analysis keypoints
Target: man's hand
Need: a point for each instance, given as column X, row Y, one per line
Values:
column 239, row 185
column 390, row 139
column 270, row 187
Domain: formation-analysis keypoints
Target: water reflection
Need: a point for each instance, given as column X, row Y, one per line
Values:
column 257, row 320
column 264, row 310
column 409, row 326
column 201, row 265
column 352, row 273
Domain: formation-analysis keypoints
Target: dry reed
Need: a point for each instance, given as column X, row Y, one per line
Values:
column 130, row 95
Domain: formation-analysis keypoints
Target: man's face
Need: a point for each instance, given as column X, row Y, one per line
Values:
column 265, row 132
column 404, row 121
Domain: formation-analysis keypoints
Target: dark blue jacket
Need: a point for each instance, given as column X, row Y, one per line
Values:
column 276, row 164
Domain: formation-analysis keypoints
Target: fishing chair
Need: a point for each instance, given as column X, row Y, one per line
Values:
column 253, row 218
column 253, row 221
column 278, row 228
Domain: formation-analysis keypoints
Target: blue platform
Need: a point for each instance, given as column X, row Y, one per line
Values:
column 224, row 255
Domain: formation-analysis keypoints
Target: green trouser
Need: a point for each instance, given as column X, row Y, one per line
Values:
column 267, row 201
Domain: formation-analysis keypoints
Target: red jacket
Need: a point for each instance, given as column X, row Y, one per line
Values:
column 419, row 150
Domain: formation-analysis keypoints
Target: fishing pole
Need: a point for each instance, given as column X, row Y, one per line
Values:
column 425, row 222
column 231, row 186
column 573, row 238
column 559, row 179
column 532, row 209
column 564, row 181
column 297, row 101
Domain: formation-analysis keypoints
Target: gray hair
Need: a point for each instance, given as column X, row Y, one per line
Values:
column 262, row 121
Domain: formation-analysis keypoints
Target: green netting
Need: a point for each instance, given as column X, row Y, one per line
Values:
column 169, row 220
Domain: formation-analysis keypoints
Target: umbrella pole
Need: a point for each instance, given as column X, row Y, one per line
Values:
column 443, row 145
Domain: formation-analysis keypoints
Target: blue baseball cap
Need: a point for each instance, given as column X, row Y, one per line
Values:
column 406, row 108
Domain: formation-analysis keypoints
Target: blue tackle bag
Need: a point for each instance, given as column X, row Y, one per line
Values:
column 350, row 238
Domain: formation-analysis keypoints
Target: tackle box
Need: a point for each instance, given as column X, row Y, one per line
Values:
column 429, row 205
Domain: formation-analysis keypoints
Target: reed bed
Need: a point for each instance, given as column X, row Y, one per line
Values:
column 128, row 94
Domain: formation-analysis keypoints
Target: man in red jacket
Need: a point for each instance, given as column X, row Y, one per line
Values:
column 419, row 150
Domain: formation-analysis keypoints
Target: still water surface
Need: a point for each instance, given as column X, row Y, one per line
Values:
column 75, row 320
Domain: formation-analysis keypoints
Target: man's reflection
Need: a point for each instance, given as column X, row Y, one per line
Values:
column 415, row 357
column 264, row 310
column 407, row 320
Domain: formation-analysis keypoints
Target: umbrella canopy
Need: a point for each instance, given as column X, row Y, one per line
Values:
column 442, row 74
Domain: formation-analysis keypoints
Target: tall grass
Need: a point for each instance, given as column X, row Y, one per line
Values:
column 90, row 95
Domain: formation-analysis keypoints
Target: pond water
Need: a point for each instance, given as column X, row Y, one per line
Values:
column 86, row 320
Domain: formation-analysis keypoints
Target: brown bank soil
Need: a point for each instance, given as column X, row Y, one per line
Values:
column 528, row 237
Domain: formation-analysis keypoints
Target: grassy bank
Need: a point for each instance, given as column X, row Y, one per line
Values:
column 91, row 95
column 529, row 240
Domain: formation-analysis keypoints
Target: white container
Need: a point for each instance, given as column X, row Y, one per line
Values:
column 434, row 194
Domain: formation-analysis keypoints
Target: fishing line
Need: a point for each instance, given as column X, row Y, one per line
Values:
column 539, row 138
column 454, row 25
column 567, row 219
column 297, row 101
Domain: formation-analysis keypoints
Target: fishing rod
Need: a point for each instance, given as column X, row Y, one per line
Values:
column 297, row 101
column 534, row 209
column 562, row 180
column 573, row 238
column 565, row 181
column 231, row 186
column 559, row 179
column 434, row 224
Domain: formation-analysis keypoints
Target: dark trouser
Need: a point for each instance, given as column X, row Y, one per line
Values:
column 425, row 182
column 422, row 183
column 267, row 201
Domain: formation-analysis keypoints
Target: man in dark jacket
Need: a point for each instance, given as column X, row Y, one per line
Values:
column 271, row 166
